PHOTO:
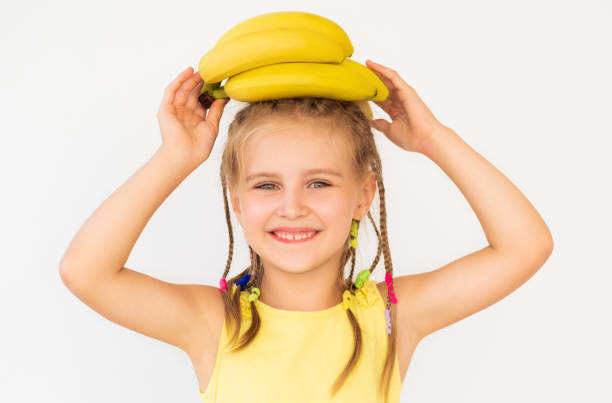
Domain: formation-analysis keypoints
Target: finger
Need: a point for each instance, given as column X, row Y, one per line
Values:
column 380, row 125
column 376, row 68
column 183, row 92
column 200, row 111
column 393, row 93
column 386, row 104
column 388, row 83
column 393, row 77
column 192, row 99
column 171, row 88
column 388, row 73
column 215, row 111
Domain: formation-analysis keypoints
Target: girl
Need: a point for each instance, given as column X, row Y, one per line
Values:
column 302, row 174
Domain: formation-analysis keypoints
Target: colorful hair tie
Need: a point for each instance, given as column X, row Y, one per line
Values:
column 222, row 284
column 347, row 299
column 243, row 281
column 362, row 277
column 388, row 316
column 389, row 281
column 353, row 233
column 255, row 293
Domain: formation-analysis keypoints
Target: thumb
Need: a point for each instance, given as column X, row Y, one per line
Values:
column 380, row 125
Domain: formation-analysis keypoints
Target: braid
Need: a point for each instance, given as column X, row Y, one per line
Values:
column 229, row 227
column 392, row 308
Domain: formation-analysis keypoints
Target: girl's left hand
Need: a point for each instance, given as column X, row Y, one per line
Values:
column 412, row 122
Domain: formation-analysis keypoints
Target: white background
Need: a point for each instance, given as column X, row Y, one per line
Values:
column 525, row 83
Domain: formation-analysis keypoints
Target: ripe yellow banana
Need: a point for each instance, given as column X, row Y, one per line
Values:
column 261, row 48
column 382, row 91
column 287, row 54
column 285, row 80
column 291, row 19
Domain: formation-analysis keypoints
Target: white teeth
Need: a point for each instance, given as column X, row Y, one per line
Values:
column 292, row 237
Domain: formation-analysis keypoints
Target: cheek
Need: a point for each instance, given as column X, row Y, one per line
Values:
column 336, row 218
column 254, row 214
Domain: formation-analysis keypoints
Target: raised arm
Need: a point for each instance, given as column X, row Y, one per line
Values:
column 519, row 243
column 93, row 265
column 519, row 240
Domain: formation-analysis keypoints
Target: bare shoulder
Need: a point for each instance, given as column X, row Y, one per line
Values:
column 211, row 313
column 402, row 287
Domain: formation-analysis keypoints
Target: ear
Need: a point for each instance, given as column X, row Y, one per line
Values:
column 235, row 204
column 366, row 196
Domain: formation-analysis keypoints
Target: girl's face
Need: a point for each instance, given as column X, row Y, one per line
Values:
column 278, row 189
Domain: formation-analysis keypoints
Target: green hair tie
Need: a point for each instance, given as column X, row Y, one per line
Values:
column 255, row 293
column 362, row 277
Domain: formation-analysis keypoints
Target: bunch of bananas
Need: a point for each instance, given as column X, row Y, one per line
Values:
column 287, row 54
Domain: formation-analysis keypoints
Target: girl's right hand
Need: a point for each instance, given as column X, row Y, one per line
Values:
column 185, row 126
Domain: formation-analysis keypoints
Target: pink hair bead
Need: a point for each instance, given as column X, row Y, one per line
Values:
column 393, row 298
column 222, row 284
column 388, row 280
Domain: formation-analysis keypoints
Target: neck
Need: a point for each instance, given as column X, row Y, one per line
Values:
column 311, row 290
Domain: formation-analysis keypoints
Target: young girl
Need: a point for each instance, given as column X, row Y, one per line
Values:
column 301, row 175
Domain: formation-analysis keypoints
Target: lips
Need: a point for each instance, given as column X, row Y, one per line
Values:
column 303, row 239
column 295, row 230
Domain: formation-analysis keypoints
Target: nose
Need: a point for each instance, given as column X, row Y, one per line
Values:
column 292, row 204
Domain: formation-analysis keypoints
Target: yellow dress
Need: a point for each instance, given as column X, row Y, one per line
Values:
column 296, row 356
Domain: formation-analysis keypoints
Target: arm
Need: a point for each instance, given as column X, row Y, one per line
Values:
column 93, row 265
column 510, row 222
column 519, row 240
column 104, row 242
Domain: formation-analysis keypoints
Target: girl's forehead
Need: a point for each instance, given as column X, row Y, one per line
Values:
column 295, row 143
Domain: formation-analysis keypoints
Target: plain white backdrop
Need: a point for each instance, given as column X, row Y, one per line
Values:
column 525, row 83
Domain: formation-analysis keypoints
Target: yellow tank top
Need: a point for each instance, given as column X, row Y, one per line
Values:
column 296, row 356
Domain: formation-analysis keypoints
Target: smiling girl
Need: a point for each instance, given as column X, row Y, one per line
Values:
column 301, row 174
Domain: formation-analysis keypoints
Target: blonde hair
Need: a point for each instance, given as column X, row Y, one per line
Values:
column 347, row 116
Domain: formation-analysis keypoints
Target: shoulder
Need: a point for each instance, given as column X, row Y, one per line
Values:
column 211, row 314
column 210, row 302
column 404, row 289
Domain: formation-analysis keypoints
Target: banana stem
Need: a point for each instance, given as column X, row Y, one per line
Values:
column 210, row 92
column 219, row 93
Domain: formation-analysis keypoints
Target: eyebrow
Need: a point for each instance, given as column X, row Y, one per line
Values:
column 308, row 172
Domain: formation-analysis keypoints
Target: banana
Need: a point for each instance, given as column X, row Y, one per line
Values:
column 291, row 19
column 287, row 54
column 285, row 80
column 382, row 91
column 261, row 48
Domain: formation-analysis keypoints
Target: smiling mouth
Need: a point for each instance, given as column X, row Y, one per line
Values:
column 294, row 238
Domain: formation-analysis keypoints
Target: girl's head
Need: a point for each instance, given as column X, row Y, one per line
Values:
column 302, row 162
column 297, row 173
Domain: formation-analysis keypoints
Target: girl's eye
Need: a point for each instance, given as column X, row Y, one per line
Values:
column 271, row 184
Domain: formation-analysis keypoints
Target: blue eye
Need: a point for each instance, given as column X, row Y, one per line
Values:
column 271, row 184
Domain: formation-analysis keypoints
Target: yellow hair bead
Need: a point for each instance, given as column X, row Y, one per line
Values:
column 347, row 299
column 255, row 293
column 353, row 233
